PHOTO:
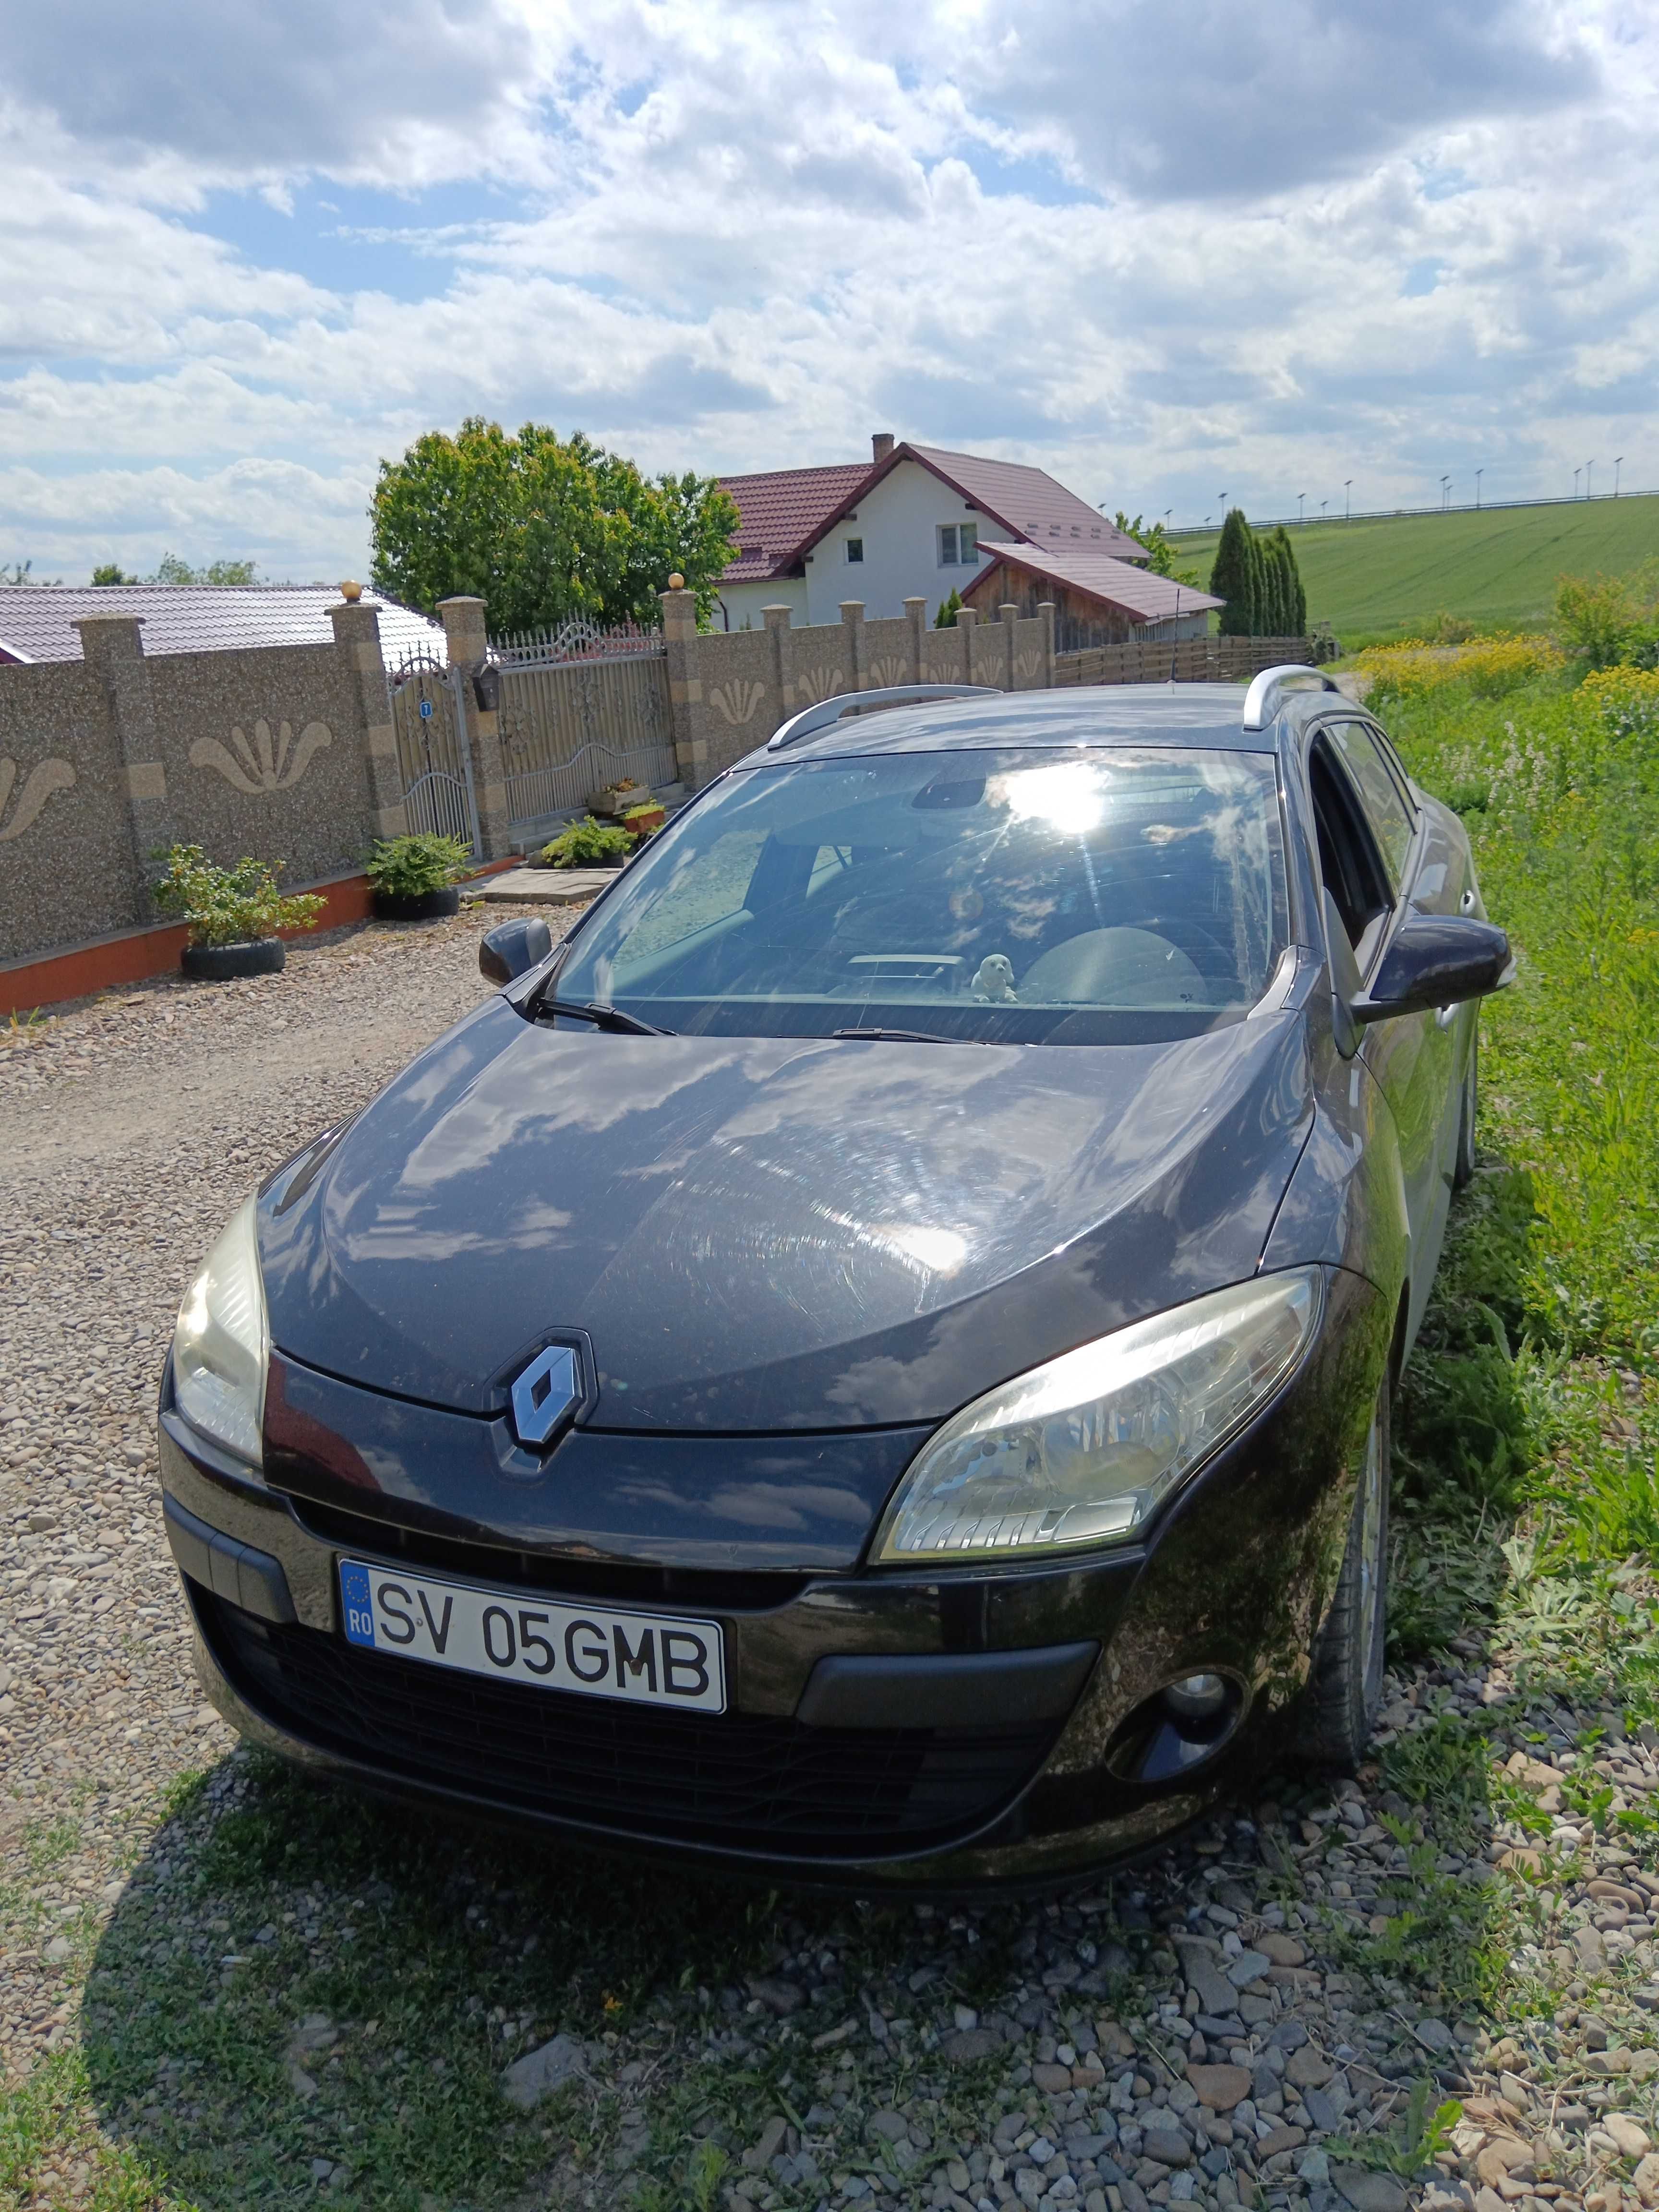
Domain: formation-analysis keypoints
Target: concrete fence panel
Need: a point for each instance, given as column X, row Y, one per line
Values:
column 67, row 866
column 263, row 752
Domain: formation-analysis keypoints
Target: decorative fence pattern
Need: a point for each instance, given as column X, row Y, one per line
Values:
column 581, row 708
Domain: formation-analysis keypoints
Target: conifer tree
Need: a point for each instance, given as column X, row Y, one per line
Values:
column 1296, row 598
column 1233, row 576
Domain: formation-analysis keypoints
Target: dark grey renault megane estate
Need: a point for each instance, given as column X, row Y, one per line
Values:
column 872, row 1358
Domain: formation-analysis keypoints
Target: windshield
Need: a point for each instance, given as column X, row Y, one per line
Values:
column 1028, row 896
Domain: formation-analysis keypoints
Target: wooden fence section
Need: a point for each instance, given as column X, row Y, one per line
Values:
column 1180, row 660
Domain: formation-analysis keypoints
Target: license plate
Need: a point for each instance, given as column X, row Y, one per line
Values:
column 516, row 1635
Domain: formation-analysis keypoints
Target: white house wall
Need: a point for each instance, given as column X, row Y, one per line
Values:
column 743, row 602
column 899, row 522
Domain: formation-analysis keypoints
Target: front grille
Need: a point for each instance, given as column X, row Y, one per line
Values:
column 625, row 1582
column 743, row 1781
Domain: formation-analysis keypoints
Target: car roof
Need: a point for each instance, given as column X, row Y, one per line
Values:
column 1187, row 715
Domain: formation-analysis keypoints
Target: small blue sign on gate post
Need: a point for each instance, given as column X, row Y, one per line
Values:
column 426, row 710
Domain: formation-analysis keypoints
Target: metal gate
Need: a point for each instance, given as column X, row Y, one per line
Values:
column 581, row 708
column 428, row 711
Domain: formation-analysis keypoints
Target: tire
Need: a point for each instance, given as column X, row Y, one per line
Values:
column 230, row 964
column 1463, row 1164
column 1339, row 1707
column 418, row 906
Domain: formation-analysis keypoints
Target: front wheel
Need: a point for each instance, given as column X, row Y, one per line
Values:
column 1339, row 1707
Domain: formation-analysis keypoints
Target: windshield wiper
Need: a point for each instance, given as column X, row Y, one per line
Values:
column 904, row 1036
column 602, row 1017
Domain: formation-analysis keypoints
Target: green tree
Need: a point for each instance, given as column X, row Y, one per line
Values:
column 109, row 572
column 1233, row 576
column 1294, row 601
column 948, row 610
column 542, row 528
column 1160, row 554
column 170, row 570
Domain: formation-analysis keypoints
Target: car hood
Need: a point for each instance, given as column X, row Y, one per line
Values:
column 768, row 1233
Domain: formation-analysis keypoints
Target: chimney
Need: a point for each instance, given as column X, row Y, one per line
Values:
column 881, row 445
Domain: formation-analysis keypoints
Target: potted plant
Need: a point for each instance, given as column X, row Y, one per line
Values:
column 415, row 877
column 643, row 822
column 587, row 844
column 618, row 796
column 233, row 914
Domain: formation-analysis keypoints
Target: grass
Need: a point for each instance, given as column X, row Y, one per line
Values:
column 1371, row 580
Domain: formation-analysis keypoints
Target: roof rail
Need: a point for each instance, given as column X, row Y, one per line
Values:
column 1264, row 698
column 827, row 711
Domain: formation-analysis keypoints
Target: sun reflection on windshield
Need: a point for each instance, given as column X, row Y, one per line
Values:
column 1068, row 794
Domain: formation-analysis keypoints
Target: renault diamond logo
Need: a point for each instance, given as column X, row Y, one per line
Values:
column 544, row 1394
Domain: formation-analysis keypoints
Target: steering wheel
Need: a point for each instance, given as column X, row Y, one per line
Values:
column 1215, row 961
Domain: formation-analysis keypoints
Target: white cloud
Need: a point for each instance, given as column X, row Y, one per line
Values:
column 1160, row 254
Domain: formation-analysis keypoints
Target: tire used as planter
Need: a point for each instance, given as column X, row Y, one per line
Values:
column 229, row 964
column 418, row 906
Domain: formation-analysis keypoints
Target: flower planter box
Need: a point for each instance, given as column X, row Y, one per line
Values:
column 418, row 906
column 230, row 964
column 613, row 803
column 642, row 822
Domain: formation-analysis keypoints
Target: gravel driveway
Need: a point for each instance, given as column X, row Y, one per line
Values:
column 224, row 1986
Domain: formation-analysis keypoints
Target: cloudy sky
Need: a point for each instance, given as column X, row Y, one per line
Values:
column 1165, row 250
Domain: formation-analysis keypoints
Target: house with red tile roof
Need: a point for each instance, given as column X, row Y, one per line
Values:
column 907, row 524
column 1098, row 599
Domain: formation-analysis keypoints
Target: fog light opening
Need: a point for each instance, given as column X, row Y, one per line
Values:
column 1177, row 1729
column 1196, row 1697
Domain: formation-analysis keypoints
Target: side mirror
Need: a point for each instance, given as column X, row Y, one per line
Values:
column 1436, row 960
column 512, row 949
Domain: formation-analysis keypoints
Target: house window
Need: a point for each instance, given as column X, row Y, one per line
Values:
column 969, row 535
column 855, row 548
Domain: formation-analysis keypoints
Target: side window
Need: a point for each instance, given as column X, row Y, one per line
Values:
column 712, row 889
column 1387, row 807
column 1349, row 865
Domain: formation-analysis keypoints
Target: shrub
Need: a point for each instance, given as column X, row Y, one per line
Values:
column 948, row 610
column 405, row 867
column 1628, row 699
column 230, row 906
column 584, row 843
column 1489, row 667
column 1596, row 618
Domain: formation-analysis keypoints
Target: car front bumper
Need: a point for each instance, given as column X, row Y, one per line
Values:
column 900, row 1728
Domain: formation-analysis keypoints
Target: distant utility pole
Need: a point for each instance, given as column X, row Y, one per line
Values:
column 1347, row 487
column 1590, row 479
column 1617, row 459
column 1445, row 493
column 1478, row 475
column 1300, row 496
column 1575, row 474
column 1323, row 504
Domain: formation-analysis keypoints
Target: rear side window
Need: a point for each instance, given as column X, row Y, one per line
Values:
column 1387, row 808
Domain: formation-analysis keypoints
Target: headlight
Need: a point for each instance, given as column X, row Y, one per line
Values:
column 222, row 1345
column 1081, row 1450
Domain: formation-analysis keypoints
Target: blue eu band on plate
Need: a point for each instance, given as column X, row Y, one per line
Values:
column 519, row 1636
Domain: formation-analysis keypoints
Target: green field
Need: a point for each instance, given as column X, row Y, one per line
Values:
column 1390, row 578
